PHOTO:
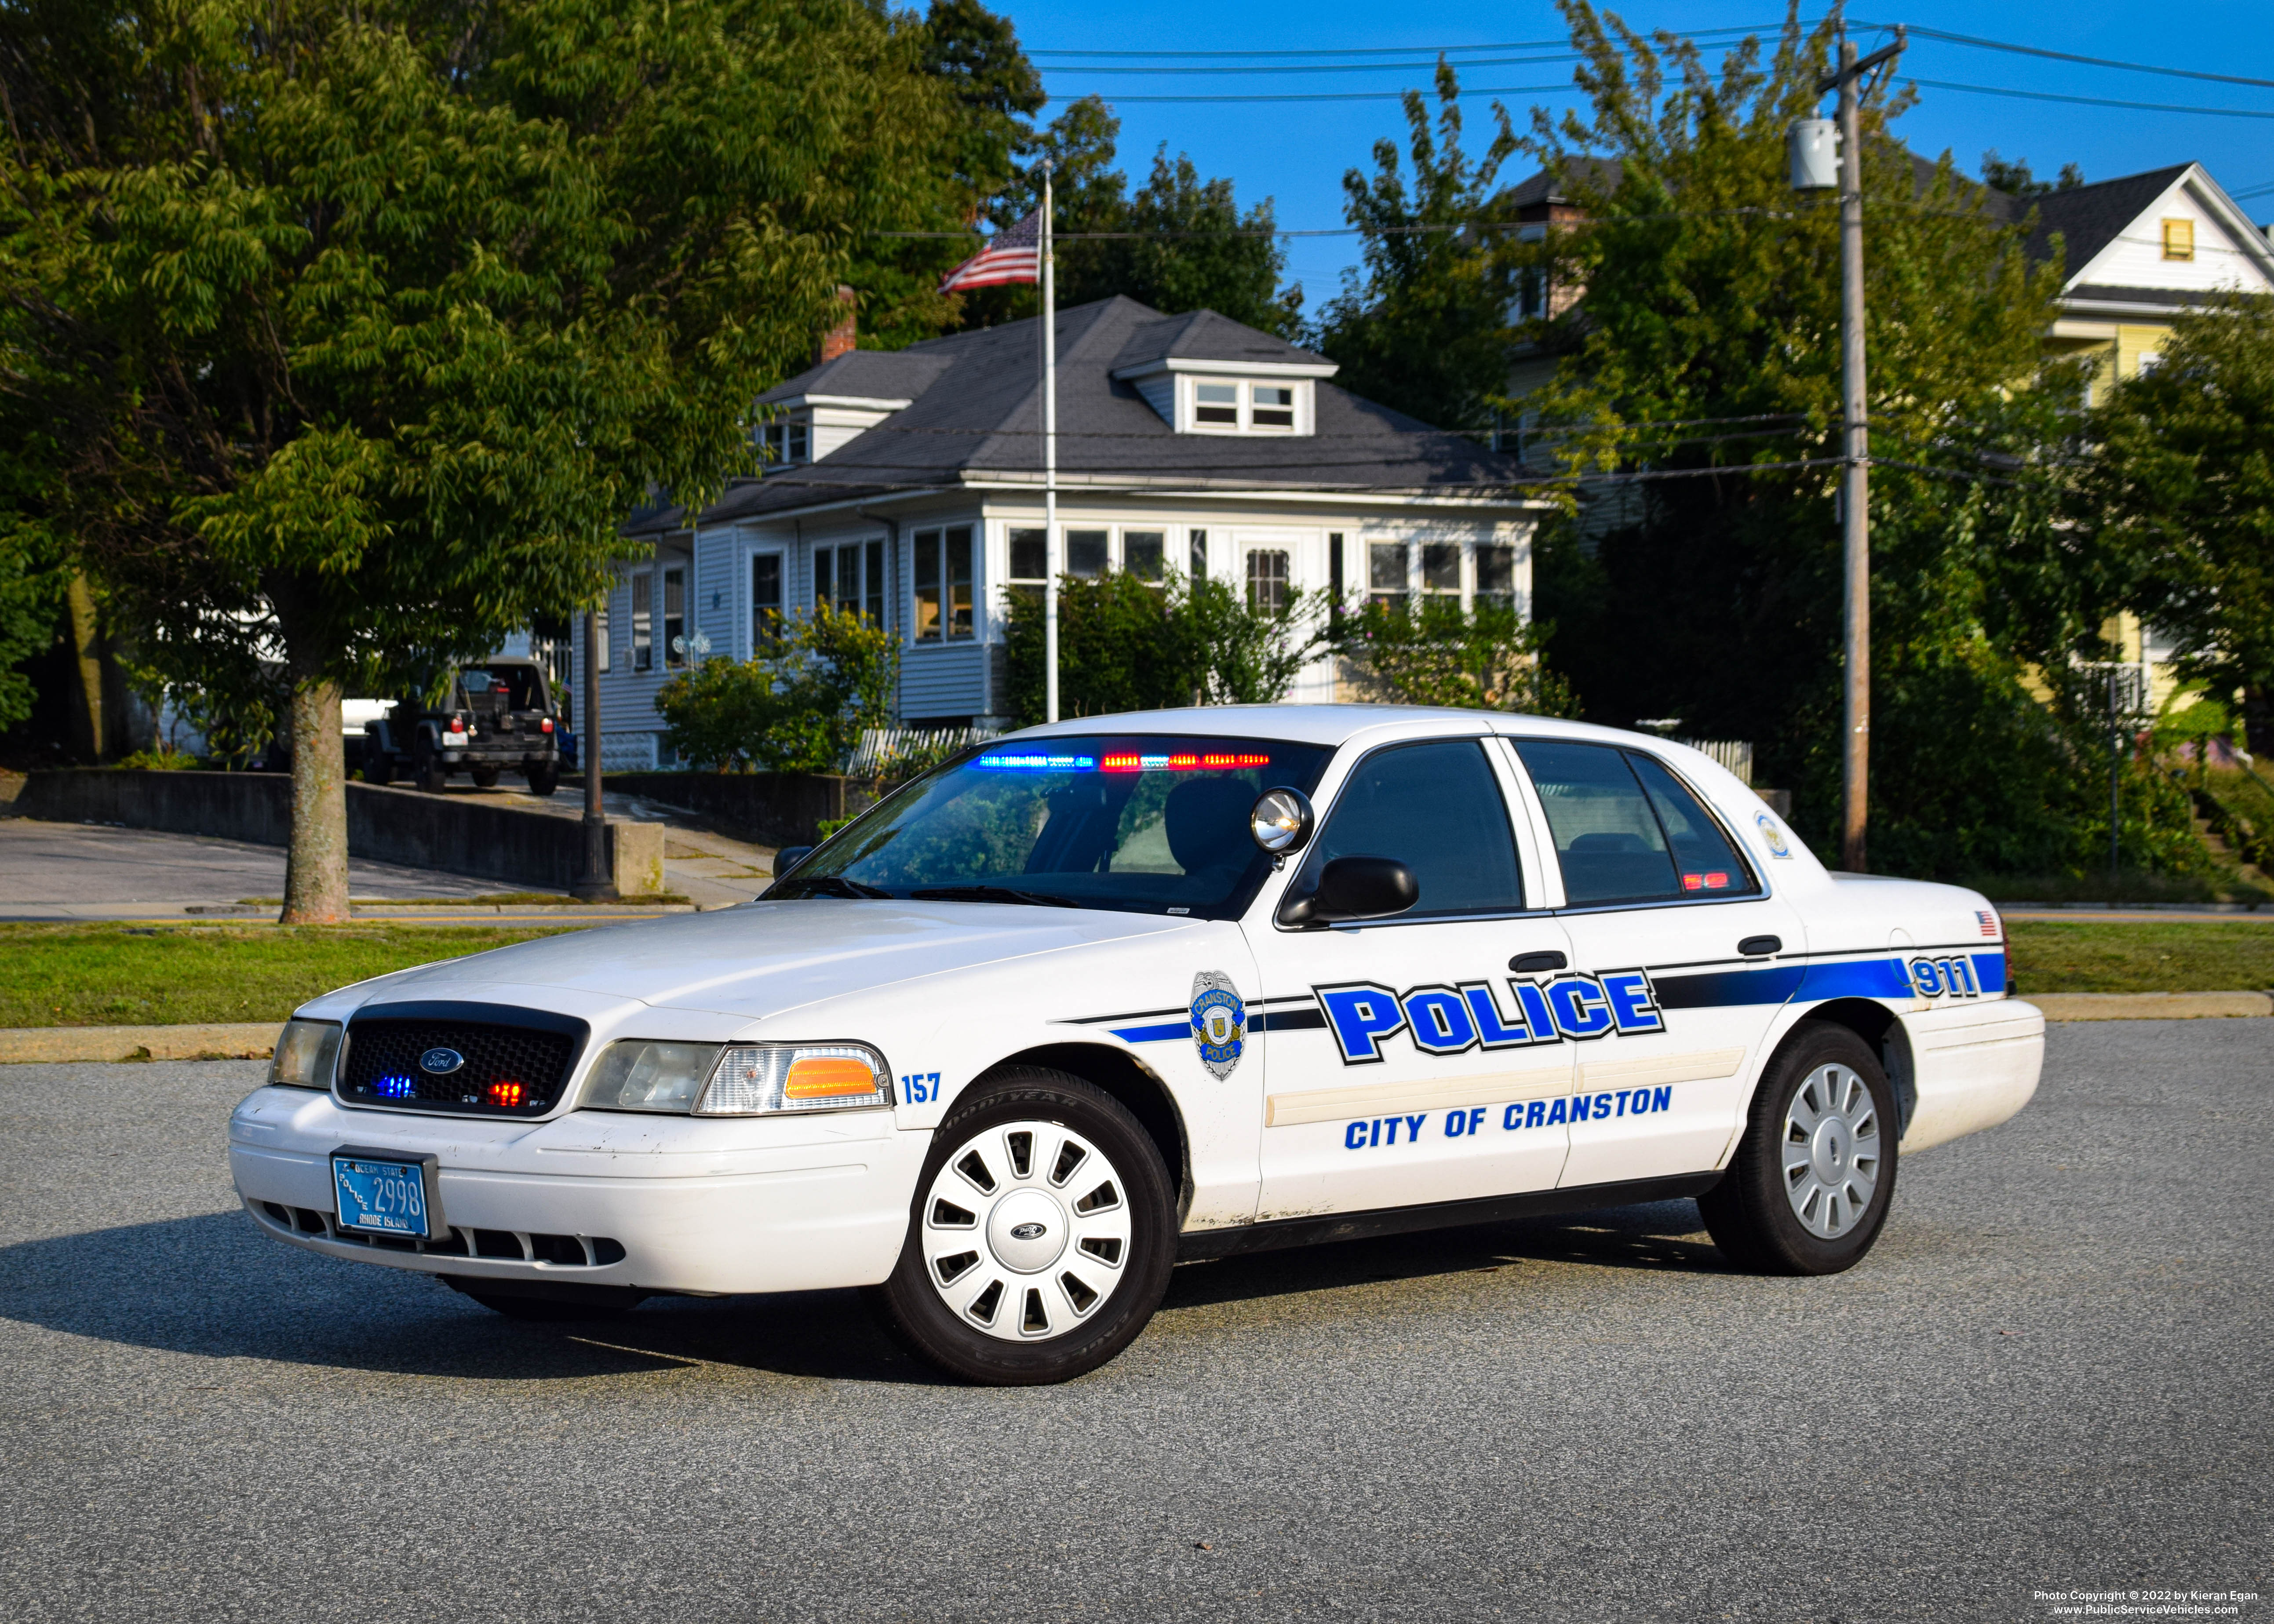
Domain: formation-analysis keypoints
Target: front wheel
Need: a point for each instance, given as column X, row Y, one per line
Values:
column 428, row 767
column 379, row 767
column 484, row 778
column 1808, row 1188
column 1042, row 1237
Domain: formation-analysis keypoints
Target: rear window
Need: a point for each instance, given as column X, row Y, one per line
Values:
column 1627, row 830
column 502, row 688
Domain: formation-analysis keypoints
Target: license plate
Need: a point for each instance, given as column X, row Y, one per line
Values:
column 381, row 1198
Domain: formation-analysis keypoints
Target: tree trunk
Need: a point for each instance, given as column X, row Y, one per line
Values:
column 87, row 649
column 316, row 872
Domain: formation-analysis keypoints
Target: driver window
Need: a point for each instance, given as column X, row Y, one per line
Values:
column 1437, row 808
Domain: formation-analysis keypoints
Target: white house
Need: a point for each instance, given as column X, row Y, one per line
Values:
column 907, row 484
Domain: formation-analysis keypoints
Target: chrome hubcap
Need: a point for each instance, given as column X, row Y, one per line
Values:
column 1831, row 1152
column 1026, row 1229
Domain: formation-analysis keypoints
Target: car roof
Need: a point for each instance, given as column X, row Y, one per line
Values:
column 1330, row 725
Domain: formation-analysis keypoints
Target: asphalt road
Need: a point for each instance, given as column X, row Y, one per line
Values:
column 2052, row 1373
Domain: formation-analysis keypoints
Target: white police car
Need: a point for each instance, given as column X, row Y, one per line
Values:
column 1112, row 993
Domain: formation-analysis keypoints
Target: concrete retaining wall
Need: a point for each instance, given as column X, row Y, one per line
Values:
column 770, row 808
column 404, row 826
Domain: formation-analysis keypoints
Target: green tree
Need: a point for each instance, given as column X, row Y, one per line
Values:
column 376, row 320
column 1422, row 326
column 2182, row 489
column 1125, row 644
column 1180, row 244
column 1488, row 659
column 1703, row 366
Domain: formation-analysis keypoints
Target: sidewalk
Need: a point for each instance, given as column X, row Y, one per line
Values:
column 709, row 869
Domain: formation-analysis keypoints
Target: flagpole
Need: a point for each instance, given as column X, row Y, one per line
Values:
column 1050, row 464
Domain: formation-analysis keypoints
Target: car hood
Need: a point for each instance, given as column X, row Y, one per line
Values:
column 766, row 958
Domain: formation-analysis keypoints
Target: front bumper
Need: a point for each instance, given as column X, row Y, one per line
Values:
column 702, row 1206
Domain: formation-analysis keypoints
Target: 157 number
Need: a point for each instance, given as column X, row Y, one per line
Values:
column 920, row 1087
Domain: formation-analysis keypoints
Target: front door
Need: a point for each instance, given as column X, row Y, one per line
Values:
column 1662, row 910
column 1400, row 1065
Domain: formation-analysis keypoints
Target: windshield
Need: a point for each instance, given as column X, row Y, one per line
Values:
column 500, row 687
column 1150, row 824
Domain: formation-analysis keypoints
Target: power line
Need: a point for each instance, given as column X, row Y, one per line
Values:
column 2097, row 62
column 1320, row 67
column 1339, row 95
column 1386, row 50
column 2138, row 107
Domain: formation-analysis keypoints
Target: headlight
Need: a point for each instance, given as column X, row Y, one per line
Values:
column 747, row 1079
column 307, row 1052
column 757, row 1077
column 640, row 1076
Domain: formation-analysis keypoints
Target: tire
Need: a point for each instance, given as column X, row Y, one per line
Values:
column 484, row 778
column 379, row 768
column 543, row 778
column 427, row 768
column 1020, row 1272
column 1809, row 1189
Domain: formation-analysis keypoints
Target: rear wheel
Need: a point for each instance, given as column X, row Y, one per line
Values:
column 1809, row 1186
column 1042, row 1237
column 428, row 768
column 544, row 777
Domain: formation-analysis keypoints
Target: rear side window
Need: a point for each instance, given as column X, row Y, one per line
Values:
column 1437, row 808
column 1625, row 829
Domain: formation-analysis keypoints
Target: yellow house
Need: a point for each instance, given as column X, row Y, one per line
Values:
column 2140, row 250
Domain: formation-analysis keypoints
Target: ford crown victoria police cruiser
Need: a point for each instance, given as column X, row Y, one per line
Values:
column 1104, row 995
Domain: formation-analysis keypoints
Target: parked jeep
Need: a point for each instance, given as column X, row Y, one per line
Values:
column 500, row 716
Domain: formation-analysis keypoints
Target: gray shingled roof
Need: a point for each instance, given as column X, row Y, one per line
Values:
column 866, row 374
column 2088, row 218
column 981, row 412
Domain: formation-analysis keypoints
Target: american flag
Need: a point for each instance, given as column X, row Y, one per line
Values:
column 1988, row 920
column 1013, row 255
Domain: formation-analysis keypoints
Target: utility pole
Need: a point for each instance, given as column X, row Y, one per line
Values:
column 1806, row 139
column 595, row 883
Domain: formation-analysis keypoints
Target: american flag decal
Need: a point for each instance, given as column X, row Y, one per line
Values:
column 1989, row 921
column 1013, row 255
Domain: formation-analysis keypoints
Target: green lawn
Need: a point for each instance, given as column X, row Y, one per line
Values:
column 2090, row 956
column 120, row 975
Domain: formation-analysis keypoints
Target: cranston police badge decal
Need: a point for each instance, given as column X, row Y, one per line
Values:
column 1219, row 1022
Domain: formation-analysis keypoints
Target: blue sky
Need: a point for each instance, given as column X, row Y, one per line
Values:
column 1295, row 153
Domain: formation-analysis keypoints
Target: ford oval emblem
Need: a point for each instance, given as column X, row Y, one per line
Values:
column 1026, row 1232
column 440, row 1062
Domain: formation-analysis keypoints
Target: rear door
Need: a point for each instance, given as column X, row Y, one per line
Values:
column 1686, row 950
column 1397, row 1050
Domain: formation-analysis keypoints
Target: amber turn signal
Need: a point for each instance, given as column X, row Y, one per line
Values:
column 815, row 1077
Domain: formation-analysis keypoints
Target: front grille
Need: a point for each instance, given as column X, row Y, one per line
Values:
column 513, row 1245
column 507, row 1068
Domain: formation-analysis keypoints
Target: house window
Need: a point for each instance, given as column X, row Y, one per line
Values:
column 1144, row 554
column 600, row 649
column 1441, row 569
column 1496, row 575
column 1385, row 573
column 1196, row 548
column 1271, row 406
column 786, row 442
column 643, row 622
column 1086, row 553
column 675, row 617
column 1335, row 569
column 872, row 594
column 2178, row 239
column 1266, row 579
column 1031, row 563
column 765, row 598
column 1216, row 403
column 943, row 584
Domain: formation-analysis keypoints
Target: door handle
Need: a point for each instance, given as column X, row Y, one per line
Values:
column 1527, row 964
column 1761, row 947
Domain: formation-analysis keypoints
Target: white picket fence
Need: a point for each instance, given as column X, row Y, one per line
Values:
column 1736, row 754
column 880, row 747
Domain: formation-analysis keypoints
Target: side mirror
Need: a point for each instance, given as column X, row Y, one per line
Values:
column 1281, row 820
column 1352, row 888
column 789, row 857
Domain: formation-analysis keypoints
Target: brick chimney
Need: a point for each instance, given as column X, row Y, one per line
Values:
column 842, row 338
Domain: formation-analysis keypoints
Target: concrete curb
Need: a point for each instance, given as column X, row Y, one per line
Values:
column 2149, row 1006
column 211, row 1041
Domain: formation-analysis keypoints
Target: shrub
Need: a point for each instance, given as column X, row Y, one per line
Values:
column 799, row 706
column 1488, row 659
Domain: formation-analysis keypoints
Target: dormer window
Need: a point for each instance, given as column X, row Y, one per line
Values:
column 786, row 441
column 1246, row 406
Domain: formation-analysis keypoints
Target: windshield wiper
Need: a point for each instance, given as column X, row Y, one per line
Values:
column 838, row 885
column 990, row 893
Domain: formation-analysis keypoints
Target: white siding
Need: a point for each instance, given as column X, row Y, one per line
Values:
column 2135, row 258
